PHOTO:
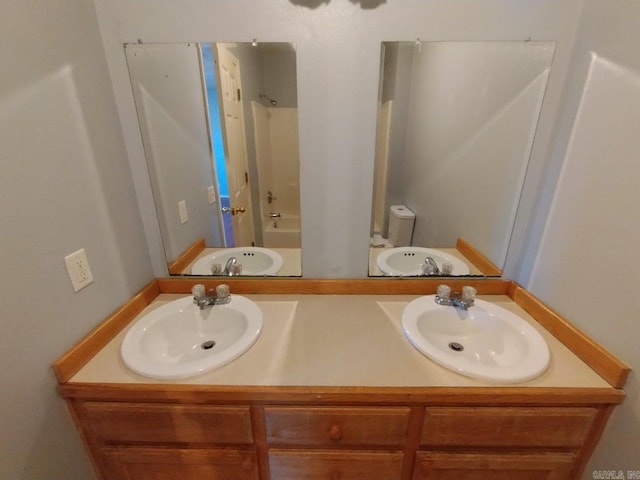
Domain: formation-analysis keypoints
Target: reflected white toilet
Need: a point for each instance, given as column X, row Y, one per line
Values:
column 401, row 222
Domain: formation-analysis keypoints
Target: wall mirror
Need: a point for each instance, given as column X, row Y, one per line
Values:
column 219, row 126
column 456, row 124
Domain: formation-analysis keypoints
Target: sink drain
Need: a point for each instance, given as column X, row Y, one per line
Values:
column 207, row 345
column 456, row 347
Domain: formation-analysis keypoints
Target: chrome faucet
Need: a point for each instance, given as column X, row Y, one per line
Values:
column 430, row 268
column 228, row 267
column 274, row 215
column 462, row 301
column 201, row 299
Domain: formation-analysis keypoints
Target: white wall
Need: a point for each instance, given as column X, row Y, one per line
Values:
column 471, row 121
column 167, row 84
column 338, row 56
column 65, row 184
column 584, row 259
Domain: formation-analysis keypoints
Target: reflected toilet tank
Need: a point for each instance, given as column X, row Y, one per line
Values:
column 401, row 221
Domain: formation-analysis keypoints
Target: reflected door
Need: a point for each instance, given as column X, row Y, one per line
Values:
column 236, row 148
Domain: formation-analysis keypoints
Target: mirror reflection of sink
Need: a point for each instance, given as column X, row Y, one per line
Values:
column 255, row 261
column 486, row 342
column 178, row 340
column 407, row 261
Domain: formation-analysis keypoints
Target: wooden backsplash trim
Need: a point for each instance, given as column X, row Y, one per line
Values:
column 327, row 395
column 74, row 359
column 186, row 257
column 607, row 365
column 478, row 259
column 367, row 286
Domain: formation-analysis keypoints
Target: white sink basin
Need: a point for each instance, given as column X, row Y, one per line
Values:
column 170, row 342
column 407, row 261
column 254, row 260
column 497, row 345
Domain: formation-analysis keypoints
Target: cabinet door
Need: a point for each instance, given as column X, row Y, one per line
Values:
column 132, row 463
column 496, row 466
column 334, row 465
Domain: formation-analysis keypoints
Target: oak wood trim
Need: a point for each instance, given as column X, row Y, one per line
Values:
column 90, row 446
column 592, row 440
column 412, row 443
column 73, row 360
column 365, row 286
column 343, row 396
column 472, row 254
column 185, row 258
column 607, row 365
column 259, row 440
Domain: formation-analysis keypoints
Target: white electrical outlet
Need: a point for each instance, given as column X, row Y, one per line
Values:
column 211, row 195
column 78, row 269
column 182, row 209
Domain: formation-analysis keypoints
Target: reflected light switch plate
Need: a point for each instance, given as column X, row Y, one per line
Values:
column 182, row 208
column 211, row 195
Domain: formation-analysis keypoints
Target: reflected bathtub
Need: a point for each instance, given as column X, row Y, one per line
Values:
column 283, row 232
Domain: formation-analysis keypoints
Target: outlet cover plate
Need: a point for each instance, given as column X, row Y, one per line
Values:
column 78, row 269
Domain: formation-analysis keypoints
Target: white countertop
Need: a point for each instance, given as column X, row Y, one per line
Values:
column 338, row 340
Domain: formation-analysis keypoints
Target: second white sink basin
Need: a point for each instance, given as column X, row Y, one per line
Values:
column 178, row 340
column 486, row 342
column 256, row 261
column 407, row 261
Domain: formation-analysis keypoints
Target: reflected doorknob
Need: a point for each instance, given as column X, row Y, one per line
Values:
column 233, row 210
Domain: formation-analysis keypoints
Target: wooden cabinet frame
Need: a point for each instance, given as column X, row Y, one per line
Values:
column 247, row 410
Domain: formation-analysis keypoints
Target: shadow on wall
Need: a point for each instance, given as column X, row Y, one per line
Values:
column 364, row 4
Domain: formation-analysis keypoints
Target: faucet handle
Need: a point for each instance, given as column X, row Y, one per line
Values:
column 444, row 291
column 468, row 293
column 216, row 269
column 222, row 291
column 446, row 268
column 198, row 290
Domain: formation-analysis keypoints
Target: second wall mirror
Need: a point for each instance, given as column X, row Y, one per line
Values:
column 219, row 125
column 456, row 124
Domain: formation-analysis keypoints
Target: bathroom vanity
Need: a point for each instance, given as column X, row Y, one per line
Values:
column 332, row 390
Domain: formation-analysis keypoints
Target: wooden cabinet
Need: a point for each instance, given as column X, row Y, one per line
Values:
column 335, row 433
column 134, row 463
column 494, row 466
column 337, row 426
column 334, row 465
column 506, row 427
column 312, row 440
column 134, row 423
column 165, row 441
column 510, row 443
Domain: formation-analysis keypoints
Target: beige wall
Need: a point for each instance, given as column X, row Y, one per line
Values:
column 584, row 261
column 65, row 184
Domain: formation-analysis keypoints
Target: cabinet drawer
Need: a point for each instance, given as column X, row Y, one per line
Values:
column 515, row 427
column 334, row 465
column 494, row 466
column 336, row 426
column 162, row 423
column 134, row 463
